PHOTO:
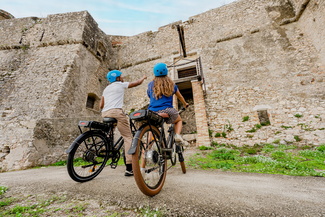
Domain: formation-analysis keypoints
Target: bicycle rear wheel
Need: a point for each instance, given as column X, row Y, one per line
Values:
column 149, row 163
column 88, row 156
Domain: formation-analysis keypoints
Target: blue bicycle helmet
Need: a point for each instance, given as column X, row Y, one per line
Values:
column 112, row 75
column 160, row 69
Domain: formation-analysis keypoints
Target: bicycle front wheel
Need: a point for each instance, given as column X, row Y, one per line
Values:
column 172, row 149
column 149, row 162
column 180, row 150
column 88, row 156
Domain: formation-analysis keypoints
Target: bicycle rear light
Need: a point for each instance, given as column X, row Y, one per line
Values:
column 83, row 123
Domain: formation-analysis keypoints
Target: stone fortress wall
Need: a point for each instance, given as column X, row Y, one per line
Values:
column 48, row 68
column 258, row 57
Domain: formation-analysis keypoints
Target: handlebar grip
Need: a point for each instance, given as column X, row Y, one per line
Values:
column 181, row 110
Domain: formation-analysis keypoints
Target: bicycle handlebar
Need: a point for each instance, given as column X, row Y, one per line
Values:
column 181, row 110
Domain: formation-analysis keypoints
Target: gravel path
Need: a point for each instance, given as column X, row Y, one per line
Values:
column 196, row 193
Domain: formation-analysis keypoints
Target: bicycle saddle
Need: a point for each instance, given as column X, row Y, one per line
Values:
column 109, row 120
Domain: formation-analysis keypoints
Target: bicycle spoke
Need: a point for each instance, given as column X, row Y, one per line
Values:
column 149, row 162
column 86, row 160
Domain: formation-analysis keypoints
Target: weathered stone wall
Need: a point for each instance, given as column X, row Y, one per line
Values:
column 48, row 68
column 258, row 56
column 5, row 15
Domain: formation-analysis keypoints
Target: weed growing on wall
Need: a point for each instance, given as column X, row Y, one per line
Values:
column 246, row 118
column 298, row 115
column 255, row 128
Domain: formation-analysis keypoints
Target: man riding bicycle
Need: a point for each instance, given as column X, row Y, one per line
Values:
column 111, row 104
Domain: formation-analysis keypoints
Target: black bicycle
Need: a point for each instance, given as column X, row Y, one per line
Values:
column 94, row 149
column 151, row 150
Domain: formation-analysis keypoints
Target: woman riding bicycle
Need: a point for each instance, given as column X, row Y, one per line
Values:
column 161, row 91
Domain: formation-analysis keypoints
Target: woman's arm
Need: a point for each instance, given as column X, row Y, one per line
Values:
column 181, row 98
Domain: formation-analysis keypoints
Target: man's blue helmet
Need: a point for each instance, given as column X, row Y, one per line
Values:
column 112, row 75
column 160, row 69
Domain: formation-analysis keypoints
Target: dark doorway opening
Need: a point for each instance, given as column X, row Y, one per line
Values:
column 188, row 116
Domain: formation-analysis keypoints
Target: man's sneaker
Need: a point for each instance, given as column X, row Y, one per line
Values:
column 180, row 140
column 128, row 173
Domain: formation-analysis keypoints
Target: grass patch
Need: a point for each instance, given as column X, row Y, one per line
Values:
column 150, row 212
column 265, row 158
column 80, row 162
column 63, row 205
column 24, row 206
column 3, row 190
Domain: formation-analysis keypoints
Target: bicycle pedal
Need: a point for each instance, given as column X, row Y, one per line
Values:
column 113, row 165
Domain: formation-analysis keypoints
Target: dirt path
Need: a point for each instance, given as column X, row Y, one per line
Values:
column 197, row 193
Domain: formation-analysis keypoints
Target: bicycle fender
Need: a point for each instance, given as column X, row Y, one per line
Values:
column 74, row 143
column 70, row 148
column 134, row 143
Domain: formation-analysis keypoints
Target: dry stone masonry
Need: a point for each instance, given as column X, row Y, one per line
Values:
column 262, row 64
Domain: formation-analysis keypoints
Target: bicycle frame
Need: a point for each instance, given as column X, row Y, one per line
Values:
column 151, row 149
column 90, row 152
column 160, row 126
column 108, row 130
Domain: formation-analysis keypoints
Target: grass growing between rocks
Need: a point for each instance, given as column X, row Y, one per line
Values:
column 61, row 204
column 266, row 158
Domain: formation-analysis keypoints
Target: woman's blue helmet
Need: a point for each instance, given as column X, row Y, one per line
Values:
column 112, row 75
column 160, row 69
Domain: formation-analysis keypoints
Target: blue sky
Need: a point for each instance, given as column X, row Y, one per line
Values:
column 117, row 17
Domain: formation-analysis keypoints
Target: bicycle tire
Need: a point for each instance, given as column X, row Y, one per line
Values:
column 172, row 145
column 88, row 156
column 181, row 159
column 149, row 163
column 183, row 167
